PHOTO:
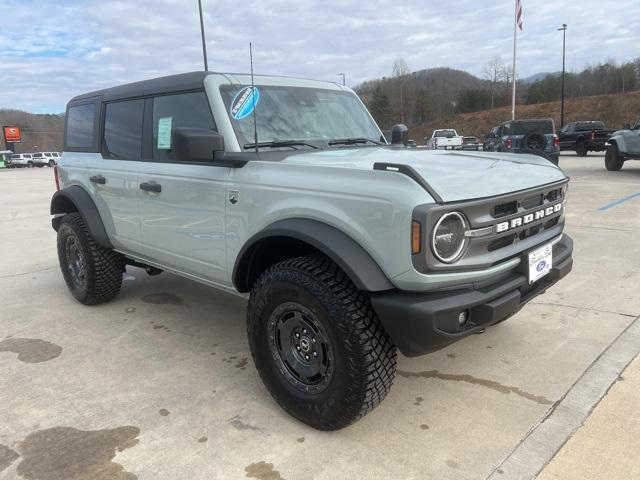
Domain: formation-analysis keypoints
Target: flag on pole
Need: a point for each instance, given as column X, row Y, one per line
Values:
column 519, row 14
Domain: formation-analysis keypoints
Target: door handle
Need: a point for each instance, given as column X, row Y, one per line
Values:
column 98, row 179
column 151, row 187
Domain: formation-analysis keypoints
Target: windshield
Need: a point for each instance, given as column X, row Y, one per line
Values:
column 312, row 115
column 444, row 133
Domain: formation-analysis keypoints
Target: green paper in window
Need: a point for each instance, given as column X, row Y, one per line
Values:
column 164, row 133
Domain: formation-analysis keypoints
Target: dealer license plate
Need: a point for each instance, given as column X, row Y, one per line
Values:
column 540, row 261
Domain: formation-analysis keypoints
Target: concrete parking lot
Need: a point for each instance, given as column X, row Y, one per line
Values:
column 159, row 384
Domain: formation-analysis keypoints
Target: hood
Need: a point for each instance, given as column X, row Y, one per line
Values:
column 454, row 175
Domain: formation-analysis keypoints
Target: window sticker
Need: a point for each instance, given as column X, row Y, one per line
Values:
column 164, row 133
column 244, row 102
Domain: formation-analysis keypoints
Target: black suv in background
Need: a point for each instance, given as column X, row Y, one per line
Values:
column 584, row 137
column 534, row 136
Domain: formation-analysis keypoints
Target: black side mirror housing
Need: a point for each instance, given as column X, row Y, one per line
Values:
column 399, row 135
column 196, row 144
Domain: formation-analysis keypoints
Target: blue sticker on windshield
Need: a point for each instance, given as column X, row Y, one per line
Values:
column 244, row 102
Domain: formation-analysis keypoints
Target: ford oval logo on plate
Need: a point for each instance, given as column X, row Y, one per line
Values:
column 244, row 102
column 541, row 265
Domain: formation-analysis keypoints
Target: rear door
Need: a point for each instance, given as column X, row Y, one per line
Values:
column 183, row 220
column 114, row 179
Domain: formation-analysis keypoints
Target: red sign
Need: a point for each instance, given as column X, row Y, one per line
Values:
column 12, row 134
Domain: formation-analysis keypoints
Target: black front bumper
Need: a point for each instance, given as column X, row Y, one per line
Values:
column 421, row 323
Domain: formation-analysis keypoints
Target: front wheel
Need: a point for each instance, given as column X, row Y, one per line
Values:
column 318, row 345
column 612, row 159
column 92, row 273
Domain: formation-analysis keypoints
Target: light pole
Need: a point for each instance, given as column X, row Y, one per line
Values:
column 344, row 81
column 564, row 37
column 204, row 45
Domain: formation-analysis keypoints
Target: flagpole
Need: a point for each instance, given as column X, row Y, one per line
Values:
column 513, row 73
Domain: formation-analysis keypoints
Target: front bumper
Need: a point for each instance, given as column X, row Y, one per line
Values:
column 421, row 323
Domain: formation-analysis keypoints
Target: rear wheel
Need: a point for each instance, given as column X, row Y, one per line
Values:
column 92, row 273
column 581, row 149
column 29, row 164
column 317, row 343
column 612, row 159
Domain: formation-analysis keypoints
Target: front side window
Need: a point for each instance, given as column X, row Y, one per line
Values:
column 311, row 115
column 123, row 130
column 80, row 126
column 179, row 110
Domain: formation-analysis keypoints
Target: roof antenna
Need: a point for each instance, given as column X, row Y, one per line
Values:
column 253, row 99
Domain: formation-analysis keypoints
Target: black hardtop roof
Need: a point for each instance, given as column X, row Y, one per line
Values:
column 170, row 83
column 519, row 120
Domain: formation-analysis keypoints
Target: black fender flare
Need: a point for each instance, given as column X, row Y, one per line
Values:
column 77, row 199
column 345, row 252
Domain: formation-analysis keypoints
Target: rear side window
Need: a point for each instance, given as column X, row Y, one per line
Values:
column 178, row 110
column 123, row 130
column 80, row 126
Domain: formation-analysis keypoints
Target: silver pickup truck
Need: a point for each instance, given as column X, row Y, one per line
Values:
column 285, row 190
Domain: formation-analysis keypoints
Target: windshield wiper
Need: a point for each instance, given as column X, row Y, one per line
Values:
column 280, row 143
column 353, row 141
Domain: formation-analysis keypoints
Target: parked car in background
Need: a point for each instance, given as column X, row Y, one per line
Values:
column 584, row 137
column 490, row 140
column 19, row 160
column 446, row 138
column 52, row 158
column 471, row 143
column 534, row 136
column 39, row 160
column 622, row 146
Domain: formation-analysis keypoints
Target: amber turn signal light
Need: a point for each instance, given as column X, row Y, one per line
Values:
column 416, row 237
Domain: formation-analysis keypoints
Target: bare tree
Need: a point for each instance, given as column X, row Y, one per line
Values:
column 400, row 71
column 495, row 72
column 400, row 67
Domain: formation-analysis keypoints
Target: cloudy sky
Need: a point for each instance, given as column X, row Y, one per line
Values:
column 51, row 50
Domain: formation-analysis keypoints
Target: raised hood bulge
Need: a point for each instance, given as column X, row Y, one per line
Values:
column 453, row 175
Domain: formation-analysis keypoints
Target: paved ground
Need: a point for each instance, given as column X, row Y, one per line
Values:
column 159, row 383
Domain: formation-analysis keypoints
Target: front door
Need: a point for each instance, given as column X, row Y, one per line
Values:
column 633, row 140
column 183, row 206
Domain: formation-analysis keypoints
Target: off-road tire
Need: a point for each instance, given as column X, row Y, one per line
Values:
column 612, row 159
column 103, row 267
column 364, row 357
column 581, row 149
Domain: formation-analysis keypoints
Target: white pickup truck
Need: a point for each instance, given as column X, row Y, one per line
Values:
column 446, row 138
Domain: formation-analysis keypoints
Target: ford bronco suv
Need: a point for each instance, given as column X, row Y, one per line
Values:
column 285, row 190
column 623, row 145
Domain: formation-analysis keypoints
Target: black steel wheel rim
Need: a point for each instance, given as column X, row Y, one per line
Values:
column 300, row 347
column 76, row 262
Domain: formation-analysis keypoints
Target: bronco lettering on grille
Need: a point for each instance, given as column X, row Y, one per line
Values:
column 528, row 218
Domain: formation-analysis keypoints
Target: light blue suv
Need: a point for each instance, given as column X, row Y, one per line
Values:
column 286, row 191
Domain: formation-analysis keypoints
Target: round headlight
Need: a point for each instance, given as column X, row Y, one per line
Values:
column 448, row 241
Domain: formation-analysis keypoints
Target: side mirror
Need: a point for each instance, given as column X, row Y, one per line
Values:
column 196, row 144
column 399, row 135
